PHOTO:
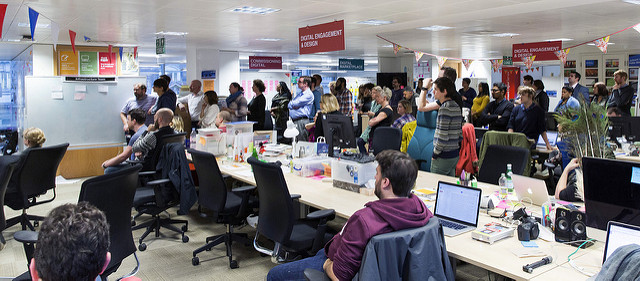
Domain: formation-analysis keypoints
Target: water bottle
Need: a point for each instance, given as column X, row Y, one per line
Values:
column 192, row 139
column 509, row 179
column 502, row 182
column 355, row 117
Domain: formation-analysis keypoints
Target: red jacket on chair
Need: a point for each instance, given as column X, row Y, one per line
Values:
column 468, row 153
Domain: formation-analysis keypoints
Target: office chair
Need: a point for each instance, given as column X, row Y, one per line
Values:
column 157, row 196
column 268, row 122
column 421, row 145
column 35, row 177
column 232, row 208
column 277, row 220
column 410, row 254
column 7, row 165
column 11, row 145
column 386, row 138
column 496, row 159
column 550, row 121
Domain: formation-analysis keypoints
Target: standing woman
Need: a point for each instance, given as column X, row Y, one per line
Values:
column 382, row 118
column 448, row 135
column 256, row 106
column 600, row 94
column 480, row 101
column 166, row 98
column 541, row 98
column 279, row 106
column 236, row 103
column 210, row 110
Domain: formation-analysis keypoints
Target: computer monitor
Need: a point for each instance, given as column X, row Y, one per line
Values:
column 611, row 191
column 624, row 126
column 338, row 131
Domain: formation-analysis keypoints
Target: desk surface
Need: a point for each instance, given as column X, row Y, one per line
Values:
column 496, row 258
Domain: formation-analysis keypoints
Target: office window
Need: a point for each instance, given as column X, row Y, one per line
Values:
column 177, row 72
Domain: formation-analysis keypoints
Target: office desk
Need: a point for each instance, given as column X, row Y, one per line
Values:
column 495, row 258
column 628, row 158
column 591, row 261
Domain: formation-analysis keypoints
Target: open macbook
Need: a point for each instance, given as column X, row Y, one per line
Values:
column 618, row 235
column 457, row 208
column 530, row 190
column 551, row 136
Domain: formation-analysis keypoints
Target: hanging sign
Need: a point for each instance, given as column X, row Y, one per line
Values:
column 542, row 50
column 507, row 60
column 256, row 62
column 351, row 64
column 160, row 46
column 326, row 37
column 106, row 63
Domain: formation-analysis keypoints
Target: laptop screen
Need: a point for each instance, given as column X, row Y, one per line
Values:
column 551, row 135
column 458, row 203
column 618, row 235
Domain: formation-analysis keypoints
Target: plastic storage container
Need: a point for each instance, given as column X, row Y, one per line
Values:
column 311, row 166
column 212, row 141
column 236, row 128
column 352, row 172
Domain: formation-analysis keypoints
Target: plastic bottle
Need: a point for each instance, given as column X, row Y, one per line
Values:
column 192, row 138
column 502, row 182
column 509, row 179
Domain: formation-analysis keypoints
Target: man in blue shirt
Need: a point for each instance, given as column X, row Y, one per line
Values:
column 315, row 89
column 300, row 107
column 135, row 121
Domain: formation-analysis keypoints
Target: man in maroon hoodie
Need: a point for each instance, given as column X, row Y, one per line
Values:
column 397, row 209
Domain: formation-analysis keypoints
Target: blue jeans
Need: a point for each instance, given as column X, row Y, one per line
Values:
column 116, row 168
column 295, row 270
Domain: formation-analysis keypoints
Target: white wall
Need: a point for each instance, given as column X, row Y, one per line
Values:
column 43, row 60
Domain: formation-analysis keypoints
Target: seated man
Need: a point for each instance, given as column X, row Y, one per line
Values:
column 397, row 209
column 146, row 145
column 72, row 244
column 135, row 121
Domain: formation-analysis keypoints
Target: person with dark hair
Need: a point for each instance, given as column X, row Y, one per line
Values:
column 614, row 112
column 300, row 107
column 467, row 93
column 135, row 121
column 73, row 244
column 279, row 107
column 316, row 96
column 396, row 210
column 397, row 93
column 448, row 134
column 257, row 105
column 425, row 105
column 409, row 96
column 344, row 96
column 236, row 103
column 140, row 100
column 480, row 101
column 579, row 92
column 194, row 101
column 419, row 86
column 541, row 98
column 622, row 93
column 450, row 73
column 209, row 110
column 567, row 100
column 319, row 83
column 364, row 98
column 166, row 98
column 527, row 80
column 404, row 110
column 497, row 112
column 528, row 117
column 600, row 94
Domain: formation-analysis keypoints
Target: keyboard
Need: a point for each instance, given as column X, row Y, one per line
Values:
column 357, row 157
column 451, row 224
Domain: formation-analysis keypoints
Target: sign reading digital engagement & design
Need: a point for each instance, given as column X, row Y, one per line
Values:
column 256, row 62
column 351, row 64
column 326, row 37
column 542, row 50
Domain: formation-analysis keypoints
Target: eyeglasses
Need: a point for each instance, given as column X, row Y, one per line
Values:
column 495, row 90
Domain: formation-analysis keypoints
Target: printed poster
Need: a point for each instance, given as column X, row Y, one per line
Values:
column 207, row 85
column 88, row 63
column 107, row 63
column 129, row 62
column 68, row 63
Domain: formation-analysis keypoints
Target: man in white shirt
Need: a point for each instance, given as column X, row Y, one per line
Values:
column 194, row 101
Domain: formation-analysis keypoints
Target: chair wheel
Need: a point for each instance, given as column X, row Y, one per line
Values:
column 36, row 223
column 133, row 223
column 185, row 228
column 233, row 264
column 195, row 261
column 142, row 247
column 185, row 239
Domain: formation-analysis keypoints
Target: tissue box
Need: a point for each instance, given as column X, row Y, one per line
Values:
column 353, row 172
column 311, row 166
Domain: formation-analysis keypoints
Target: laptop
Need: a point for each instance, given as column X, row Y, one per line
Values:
column 618, row 235
column 551, row 135
column 530, row 190
column 457, row 208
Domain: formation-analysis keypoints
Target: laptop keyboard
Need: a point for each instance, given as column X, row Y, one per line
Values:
column 451, row 224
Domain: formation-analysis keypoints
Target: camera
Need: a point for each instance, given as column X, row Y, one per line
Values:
column 528, row 229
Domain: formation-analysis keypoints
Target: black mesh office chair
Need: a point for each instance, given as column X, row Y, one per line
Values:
column 277, row 219
column 11, row 143
column 496, row 159
column 550, row 121
column 386, row 138
column 268, row 122
column 157, row 195
column 7, row 165
column 231, row 208
column 37, row 175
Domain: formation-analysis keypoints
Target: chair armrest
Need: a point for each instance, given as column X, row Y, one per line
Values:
column 133, row 162
column 158, row 182
column 328, row 214
column 315, row 275
column 244, row 188
column 295, row 196
column 147, row 173
column 549, row 165
column 26, row 236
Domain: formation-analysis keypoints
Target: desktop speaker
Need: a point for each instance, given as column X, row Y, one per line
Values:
column 562, row 225
column 578, row 226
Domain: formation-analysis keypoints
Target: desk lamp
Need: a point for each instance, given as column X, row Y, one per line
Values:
column 291, row 132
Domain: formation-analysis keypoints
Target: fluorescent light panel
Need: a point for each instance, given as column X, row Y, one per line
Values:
column 375, row 22
column 593, row 44
column 636, row 2
column 254, row 10
column 435, row 28
column 269, row 39
column 560, row 39
column 172, row 33
column 38, row 25
column 506, row 34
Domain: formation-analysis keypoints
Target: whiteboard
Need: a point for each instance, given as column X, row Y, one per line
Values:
column 93, row 121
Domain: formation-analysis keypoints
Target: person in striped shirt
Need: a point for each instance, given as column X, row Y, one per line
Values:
column 404, row 109
column 448, row 134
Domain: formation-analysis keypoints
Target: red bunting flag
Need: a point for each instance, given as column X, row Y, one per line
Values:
column 110, row 49
column 135, row 52
column 602, row 44
column 3, row 11
column 495, row 65
column 562, row 55
column 396, row 49
column 466, row 63
column 418, row 55
column 528, row 61
column 72, row 37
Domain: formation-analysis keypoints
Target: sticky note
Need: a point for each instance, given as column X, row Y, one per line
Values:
column 56, row 88
column 79, row 96
column 57, row 95
column 529, row 244
column 103, row 89
column 81, row 88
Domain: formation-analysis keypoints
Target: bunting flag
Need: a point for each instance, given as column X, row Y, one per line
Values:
column 72, row 37
column 418, row 55
column 538, row 68
column 3, row 11
column 495, row 65
column 110, row 49
column 33, row 18
column 528, row 61
column 135, row 52
column 602, row 44
column 121, row 53
column 562, row 55
column 55, row 31
column 637, row 27
column 466, row 63
column 396, row 49
column 87, row 39
column 441, row 61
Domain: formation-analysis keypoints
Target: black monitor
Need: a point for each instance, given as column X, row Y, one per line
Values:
column 338, row 130
column 611, row 191
column 627, row 126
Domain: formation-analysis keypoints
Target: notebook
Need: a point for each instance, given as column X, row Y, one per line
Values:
column 530, row 190
column 457, row 208
column 551, row 135
column 618, row 235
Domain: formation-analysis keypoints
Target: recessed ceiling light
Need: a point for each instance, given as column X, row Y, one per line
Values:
column 333, row 71
column 492, row 52
column 435, row 28
column 637, row 2
column 506, row 34
column 371, row 61
column 387, row 46
column 13, row 40
column 38, row 25
column 560, row 39
column 270, row 39
column 172, row 33
column 593, row 44
column 446, row 49
column 375, row 22
column 254, row 10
